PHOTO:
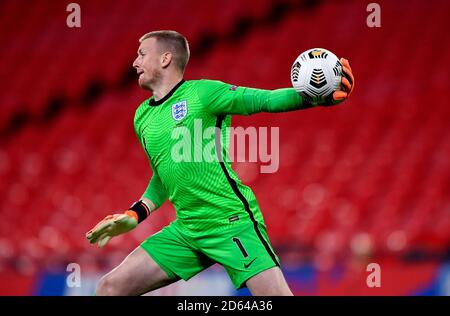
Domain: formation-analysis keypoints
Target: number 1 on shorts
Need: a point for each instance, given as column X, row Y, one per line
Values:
column 241, row 247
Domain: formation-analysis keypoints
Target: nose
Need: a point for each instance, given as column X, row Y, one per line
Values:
column 135, row 63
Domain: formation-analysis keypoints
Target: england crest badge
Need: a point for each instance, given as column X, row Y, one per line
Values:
column 179, row 110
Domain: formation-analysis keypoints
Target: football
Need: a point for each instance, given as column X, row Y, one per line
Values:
column 316, row 74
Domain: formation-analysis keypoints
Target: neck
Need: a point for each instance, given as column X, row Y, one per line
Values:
column 163, row 87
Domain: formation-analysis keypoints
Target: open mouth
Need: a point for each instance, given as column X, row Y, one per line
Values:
column 140, row 73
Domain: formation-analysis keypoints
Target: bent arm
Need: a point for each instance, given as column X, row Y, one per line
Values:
column 155, row 194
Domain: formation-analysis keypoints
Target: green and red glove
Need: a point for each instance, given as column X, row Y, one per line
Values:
column 111, row 226
column 347, row 85
column 116, row 224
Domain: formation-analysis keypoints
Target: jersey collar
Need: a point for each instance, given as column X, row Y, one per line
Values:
column 152, row 101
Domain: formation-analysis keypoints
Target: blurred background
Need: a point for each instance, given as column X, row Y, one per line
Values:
column 364, row 182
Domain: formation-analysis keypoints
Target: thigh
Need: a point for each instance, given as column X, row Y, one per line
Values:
column 137, row 274
column 270, row 282
column 243, row 250
column 176, row 253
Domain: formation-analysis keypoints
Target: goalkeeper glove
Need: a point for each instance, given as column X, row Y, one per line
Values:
column 110, row 226
column 116, row 224
column 347, row 85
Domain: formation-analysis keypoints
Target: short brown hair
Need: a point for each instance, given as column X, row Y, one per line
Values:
column 173, row 41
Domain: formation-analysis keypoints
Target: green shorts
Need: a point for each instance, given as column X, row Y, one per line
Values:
column 243, row 249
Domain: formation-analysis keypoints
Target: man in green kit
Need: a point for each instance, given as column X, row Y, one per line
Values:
column 218, row 218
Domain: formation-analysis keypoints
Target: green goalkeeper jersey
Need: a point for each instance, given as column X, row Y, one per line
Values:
column 185, row 137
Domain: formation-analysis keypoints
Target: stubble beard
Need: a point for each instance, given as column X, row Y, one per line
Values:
column 153, row 82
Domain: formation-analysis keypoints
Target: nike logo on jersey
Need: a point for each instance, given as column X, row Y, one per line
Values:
column 248, row 265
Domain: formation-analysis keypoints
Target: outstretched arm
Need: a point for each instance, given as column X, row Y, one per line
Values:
column 279, row 100
column 221, row 98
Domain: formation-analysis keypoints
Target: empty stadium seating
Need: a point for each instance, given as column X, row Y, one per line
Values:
column 48, row 59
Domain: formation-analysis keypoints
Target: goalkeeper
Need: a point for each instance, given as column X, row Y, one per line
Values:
column 218, row 218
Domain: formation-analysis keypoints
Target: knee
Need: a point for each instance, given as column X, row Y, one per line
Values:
column 109, row 286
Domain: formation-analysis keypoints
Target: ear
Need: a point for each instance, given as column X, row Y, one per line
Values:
column 166, row 59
